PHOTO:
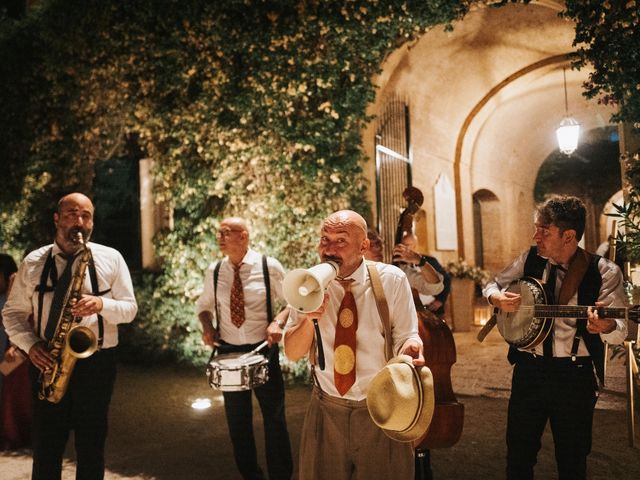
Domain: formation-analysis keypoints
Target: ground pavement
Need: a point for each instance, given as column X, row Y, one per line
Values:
column 156, row 435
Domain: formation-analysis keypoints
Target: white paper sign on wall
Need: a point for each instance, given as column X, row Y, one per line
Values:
column 445, row 203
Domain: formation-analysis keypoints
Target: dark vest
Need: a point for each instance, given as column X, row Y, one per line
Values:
column 588, row 293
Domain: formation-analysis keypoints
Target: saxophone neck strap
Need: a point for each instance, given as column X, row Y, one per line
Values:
column 48, row 269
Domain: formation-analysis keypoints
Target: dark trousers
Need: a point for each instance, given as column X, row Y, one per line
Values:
column 562, row 392
column 83, row 409
column 238, row 409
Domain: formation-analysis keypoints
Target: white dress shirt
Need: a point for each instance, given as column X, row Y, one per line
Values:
column 254, row 328
column 370, row 354
column 118, row 304
column 417, row 280
column 564, row 329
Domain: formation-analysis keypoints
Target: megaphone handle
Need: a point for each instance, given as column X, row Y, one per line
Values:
column 319, row 344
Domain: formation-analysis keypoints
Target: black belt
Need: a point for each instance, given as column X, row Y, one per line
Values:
column 527, row 357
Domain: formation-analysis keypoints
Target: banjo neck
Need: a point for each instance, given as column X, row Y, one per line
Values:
column 580, row 311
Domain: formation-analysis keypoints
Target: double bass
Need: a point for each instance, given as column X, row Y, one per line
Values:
column 439, row 352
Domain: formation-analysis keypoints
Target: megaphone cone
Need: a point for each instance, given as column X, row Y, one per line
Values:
column 304, row 289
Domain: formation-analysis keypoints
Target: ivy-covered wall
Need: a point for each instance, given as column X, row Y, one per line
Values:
column 251, row 108
column 247, row 107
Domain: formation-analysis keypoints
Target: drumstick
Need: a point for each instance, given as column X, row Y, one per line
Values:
column 255, row 350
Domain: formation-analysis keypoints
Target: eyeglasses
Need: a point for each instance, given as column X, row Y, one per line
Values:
column 226, row 232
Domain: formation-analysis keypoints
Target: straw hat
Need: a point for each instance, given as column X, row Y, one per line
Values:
column 401, row 400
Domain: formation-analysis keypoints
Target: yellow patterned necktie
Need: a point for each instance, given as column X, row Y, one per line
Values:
column 237, row 298
column 344, row 355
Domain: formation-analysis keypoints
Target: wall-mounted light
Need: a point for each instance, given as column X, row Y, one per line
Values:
column 569, row 129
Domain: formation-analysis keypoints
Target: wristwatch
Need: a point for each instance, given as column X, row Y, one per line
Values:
column 423, row 260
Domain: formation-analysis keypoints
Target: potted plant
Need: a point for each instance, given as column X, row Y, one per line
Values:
column 465, row 278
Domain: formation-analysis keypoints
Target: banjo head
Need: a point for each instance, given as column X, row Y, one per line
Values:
column 520, row 328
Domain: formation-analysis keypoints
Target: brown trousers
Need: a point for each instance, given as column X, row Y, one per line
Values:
column 340, row 442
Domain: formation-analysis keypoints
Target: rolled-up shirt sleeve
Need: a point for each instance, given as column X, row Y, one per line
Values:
column 507, row 276
column 119, row 305
column 404, row 319
column 206, row 300
column 17, row 310
column 612, row 294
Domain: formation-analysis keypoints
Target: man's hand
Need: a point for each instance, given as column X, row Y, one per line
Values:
column 274, row 333
column 320, row 311
column 87, row 305
column 595, row 324
column 506, row 301
column 39, row 356
column 435, row 305
column 414, row 350
column 402, row 253
column 209, row 335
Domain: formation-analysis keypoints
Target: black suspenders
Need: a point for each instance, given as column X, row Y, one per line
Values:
column 49, row 271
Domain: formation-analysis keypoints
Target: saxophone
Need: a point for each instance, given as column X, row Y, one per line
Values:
column 70, row 340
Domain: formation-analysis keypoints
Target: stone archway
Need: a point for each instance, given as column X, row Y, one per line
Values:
column 485, row 100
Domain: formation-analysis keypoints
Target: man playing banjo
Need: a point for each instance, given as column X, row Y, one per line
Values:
column 238, row 292
column 553, row 377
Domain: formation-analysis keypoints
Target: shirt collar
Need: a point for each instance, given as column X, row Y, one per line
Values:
column 360, row 274
column 251, row 257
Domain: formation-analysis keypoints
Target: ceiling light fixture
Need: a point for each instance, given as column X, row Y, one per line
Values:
column 569, row 129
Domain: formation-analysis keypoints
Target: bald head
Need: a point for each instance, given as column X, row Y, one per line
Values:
column 238, row 223
column 233, row 238
column 75, row 198
column 344, row 240
column 346, row 220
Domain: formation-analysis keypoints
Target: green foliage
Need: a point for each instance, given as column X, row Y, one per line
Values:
column 628, row 240
column 608, row 40
column 246, row 107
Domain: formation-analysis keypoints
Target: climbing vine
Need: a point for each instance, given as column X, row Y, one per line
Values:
column 245, row 107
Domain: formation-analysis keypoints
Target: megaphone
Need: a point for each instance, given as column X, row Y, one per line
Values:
column 304, row 289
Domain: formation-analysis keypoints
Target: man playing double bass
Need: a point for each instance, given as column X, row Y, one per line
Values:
column 554, row 381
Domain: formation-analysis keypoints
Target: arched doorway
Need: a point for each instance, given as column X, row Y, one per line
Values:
column 487, row 228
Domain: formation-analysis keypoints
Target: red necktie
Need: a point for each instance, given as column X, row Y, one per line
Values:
column 344, row 354
column 237, row 298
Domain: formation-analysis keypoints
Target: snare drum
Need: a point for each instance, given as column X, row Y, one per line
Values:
column 230, row 373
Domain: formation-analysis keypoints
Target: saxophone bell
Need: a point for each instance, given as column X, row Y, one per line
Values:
column 81, row 342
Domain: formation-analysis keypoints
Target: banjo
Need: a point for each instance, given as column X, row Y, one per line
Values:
column 531, row 323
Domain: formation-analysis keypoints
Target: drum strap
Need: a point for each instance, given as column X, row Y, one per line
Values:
column 267, row 284
column 216, row 273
